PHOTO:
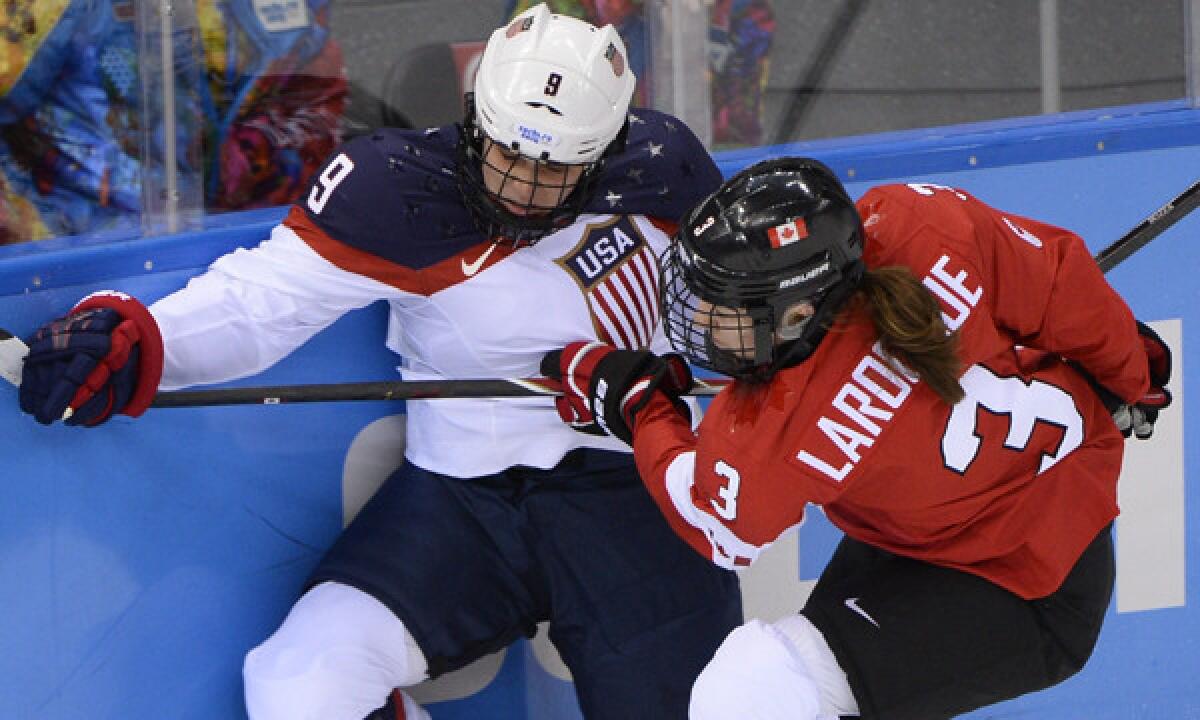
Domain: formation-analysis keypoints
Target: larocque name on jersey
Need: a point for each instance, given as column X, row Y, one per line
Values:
column 880, row 384
column 865, row 404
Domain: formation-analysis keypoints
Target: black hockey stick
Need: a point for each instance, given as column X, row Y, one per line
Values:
column 1149, row 228
column 386, row 390
column 12, row 351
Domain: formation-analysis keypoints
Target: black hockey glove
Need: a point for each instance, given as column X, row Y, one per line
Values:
column 1138, row 418
column 604, row 388
column 103, row 358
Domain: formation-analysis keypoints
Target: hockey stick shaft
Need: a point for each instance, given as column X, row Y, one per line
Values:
column 13, row 350
column 1149, row 228
column 388, row 390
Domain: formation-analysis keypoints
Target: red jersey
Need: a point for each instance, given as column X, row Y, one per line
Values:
column 1010, row 484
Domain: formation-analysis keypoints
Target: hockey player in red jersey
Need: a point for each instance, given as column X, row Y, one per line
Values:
column 942, row 378
column 535, row 223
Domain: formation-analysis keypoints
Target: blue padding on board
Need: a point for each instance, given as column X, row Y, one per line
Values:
column 67, row 261
column 997, row 143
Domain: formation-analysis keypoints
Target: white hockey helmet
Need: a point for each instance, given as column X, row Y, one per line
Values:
column 552, row 87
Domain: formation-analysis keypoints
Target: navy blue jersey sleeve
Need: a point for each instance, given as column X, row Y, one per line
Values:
column 663, row 171
column 393, row 194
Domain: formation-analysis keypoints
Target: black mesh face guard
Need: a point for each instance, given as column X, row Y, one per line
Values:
column 519, row 211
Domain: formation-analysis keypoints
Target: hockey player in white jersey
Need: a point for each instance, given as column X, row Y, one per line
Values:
column 534, row 224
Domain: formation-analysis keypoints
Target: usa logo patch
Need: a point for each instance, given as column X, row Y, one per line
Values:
column 618, row 274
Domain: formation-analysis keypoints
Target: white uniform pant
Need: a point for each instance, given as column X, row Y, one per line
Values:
column 773, row 671
column 337, row 656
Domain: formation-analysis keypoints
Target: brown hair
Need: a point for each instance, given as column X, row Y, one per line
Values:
column 909, row 323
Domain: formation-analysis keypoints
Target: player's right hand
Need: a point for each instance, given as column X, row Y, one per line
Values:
column 102, row 358
column 604, row 388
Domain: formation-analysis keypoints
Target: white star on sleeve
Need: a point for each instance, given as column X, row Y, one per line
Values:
column 655, row 149
column 613, row 198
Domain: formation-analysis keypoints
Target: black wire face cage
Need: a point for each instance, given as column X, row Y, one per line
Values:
column 730, row 336
column 540, row 205
column 741, row 328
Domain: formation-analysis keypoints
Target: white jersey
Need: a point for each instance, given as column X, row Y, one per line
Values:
column 504, row 310
column 384, row 219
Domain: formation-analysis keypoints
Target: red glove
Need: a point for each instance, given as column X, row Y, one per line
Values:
column 604, row 388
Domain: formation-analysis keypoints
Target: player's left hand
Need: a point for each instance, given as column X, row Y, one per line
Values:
column 104, row 357
column 1138, row 418
column 604, row 388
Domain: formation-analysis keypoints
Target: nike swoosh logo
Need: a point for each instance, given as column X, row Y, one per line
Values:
column 852, row 603
column 470, row 269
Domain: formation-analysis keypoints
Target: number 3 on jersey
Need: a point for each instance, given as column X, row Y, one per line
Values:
column 333, row 174
column 1025, row 404
column 728, row 492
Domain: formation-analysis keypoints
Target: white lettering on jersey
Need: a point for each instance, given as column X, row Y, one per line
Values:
column 877, row 387
column 953, row 292
column 1025, row 404
column 727, row 508
column 928, row 189
column 332, row 176
column 728, row 550
column 618, row 272
column 605, row 252
column 1024, row 234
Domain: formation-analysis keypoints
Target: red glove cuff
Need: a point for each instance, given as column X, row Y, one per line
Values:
column 149, row 341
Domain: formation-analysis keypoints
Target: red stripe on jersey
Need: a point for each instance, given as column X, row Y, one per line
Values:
column 426, row 281
column 625, row 303
column 607, row 317
column 642, row 270
column 631, row 286
column 669, row 228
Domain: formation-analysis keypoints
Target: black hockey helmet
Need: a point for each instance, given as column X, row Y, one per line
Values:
column 781, row 232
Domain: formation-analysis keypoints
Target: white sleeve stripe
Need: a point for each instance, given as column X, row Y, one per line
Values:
column 727, row 548
column 575, row 360
column 636, row 388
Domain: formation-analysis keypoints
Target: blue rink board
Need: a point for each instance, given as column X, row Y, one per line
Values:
column 139, row 561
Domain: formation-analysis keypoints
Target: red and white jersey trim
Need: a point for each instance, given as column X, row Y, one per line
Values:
column 728, row 550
